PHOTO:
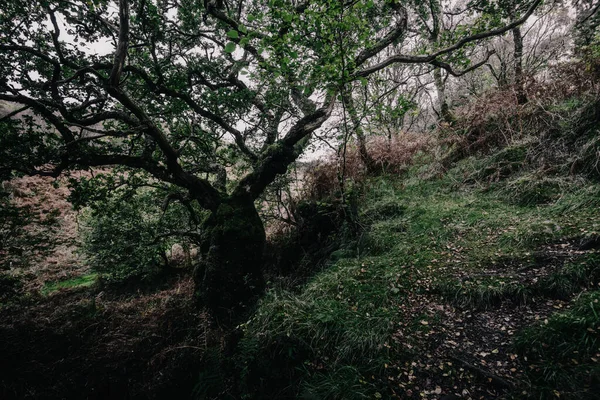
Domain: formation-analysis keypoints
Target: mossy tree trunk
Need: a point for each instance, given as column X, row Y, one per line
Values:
column 518, row 56
column 444, row 112
column 519, row 75
column 229, row 276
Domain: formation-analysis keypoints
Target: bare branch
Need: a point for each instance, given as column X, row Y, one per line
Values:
column 424, row 59
column 13, row 113
column 388, row 39
column 473, row 67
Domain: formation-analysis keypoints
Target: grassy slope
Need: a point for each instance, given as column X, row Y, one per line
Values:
column 449, row 274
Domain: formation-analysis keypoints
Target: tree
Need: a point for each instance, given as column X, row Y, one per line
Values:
column 188, row 91
column 586, row 27
column 530, row 48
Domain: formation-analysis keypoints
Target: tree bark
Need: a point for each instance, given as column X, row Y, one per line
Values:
column 229, row 277
column 444, row 109
column 518, row 54
column 372, row 167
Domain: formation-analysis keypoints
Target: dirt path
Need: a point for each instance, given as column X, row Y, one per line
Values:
column 468, row 351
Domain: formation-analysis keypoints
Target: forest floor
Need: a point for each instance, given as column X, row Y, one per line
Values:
column 476, row 291
column 453, row 288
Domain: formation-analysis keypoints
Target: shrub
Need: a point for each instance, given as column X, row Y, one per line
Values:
column 26, row 232
column 10, row 287
column 495, row 120
column 127, row 235
column 322, row 231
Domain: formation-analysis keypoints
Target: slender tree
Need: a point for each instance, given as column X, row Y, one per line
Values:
column 517, row 36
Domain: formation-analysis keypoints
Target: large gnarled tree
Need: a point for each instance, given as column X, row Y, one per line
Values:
column 186, row 91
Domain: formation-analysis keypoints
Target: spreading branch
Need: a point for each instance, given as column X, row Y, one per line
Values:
column 429, row 58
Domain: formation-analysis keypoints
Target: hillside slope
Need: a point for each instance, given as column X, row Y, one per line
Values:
column 474, row 274
column 479, row 282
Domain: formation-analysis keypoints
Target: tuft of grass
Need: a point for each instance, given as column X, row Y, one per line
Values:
column 485, row 292
column 332, row 333
column 342, row 383
column 383, row 209
column 531, row 190
column 76, row 282
column 342, row 314
column 587, row 197
column 482, row 294
column 563, row 352
column 504, row 163
column 572, row 278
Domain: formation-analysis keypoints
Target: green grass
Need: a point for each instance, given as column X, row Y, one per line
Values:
column 77, row 282
column 334, row 338
column 574, row 277
column 484, row 293
column 563, row 352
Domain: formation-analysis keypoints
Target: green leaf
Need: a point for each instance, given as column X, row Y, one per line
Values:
column 242, row 29
column 363, row 81
column 244, row 42
column 233, row 34
column 251, row 18
column 229, row 47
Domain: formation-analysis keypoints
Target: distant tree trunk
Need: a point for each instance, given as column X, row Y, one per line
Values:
column 442, row 103
column 519, row 78
column 586, row 22
column 229, row 277
column 372, row 167
column 444, row 112
column 518, row 55
column 503, row 75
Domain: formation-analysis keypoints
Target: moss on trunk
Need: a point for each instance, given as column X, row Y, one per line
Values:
column 229, row 277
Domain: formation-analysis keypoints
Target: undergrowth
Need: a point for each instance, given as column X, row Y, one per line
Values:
column 563, row 352
column 469, row 237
